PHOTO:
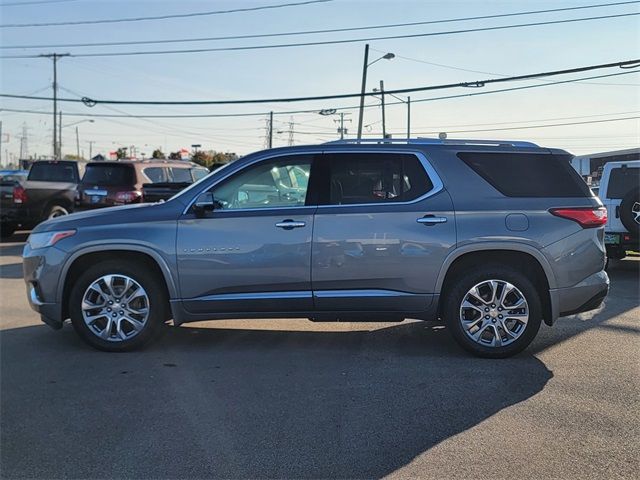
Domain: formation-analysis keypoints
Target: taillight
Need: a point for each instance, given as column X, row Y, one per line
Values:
column 129, row 197
column 19, row 194
column 587, row 217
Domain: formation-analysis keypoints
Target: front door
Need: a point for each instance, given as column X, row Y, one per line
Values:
column 380, row 234
column 253, row 252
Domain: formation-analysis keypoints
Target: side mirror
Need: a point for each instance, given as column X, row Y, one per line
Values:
column 204, row 203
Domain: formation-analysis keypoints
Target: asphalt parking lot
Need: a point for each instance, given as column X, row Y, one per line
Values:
column 295, row 399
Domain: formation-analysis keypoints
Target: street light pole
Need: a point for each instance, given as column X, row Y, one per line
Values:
column 364, row 85
column 77, row 144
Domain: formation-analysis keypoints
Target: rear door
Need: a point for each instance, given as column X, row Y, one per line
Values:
column 381, row 232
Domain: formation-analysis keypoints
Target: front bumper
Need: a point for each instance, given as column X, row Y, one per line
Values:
column 41, row 270
column 582, row 297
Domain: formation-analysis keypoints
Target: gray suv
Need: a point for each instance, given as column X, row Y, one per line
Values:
column 492, row 237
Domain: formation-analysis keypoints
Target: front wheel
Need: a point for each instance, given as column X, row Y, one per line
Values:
column 117, row 307
column 493, row 311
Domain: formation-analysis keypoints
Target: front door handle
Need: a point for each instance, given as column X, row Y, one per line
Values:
column 431, row 220
column 290, row 224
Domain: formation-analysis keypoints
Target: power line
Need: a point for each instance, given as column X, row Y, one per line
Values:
column 163, row 17
column 290, row 112
column 331, row 42
column 35, row 2
column 314, row 32
column 452, row 67
column 533, row 126
column 475, row 84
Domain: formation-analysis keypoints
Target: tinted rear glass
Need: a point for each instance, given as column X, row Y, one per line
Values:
column 528, row 174
column 357, row 178
column 109, row 175
column 622, row 181
column 53, row 172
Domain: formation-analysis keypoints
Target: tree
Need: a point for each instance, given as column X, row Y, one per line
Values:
column 69, row 156
column 202, row 158
column 212, row 159
column 175, row 156
column 157, row 153
column 121, row 153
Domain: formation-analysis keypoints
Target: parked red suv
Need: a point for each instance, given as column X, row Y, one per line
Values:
column 107, row 184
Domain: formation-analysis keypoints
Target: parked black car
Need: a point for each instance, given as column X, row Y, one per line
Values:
column 48, row 192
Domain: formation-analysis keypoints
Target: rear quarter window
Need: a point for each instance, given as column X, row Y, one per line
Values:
column 528, row 174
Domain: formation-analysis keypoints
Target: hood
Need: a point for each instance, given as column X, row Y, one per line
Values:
column 138, row 213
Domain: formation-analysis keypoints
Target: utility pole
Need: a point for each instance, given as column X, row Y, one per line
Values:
column 271, row 129
column 0, row 143
column 58, row 154
column 408, row 118
column 24, row 145
column 384, row 125
column 364, row 85
column 55, row 57
column 290, row 142
column 342, row 130
column 77, row 144
column 91, row 142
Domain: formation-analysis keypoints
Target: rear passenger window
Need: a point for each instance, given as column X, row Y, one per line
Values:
column 156, row 174
column 181, row 175
column 528, row 174
column 357, row 178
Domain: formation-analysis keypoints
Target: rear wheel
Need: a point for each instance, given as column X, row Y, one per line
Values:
column 56, row 211
column 7, row 229
column 493, row 311
column 116, row 307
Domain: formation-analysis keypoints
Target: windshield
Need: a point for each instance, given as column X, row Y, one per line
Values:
column 109, row 175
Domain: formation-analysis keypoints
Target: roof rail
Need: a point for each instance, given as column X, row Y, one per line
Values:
column 433, row 141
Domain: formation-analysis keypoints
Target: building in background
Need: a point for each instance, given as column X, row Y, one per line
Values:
column 590, row 166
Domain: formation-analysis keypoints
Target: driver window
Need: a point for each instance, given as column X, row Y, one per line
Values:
column 281, row 182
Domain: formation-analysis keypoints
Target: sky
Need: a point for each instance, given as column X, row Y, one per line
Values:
column 318, row 70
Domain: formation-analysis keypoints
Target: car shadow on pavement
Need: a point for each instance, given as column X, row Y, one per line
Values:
column 249, row 403
column 239, row 403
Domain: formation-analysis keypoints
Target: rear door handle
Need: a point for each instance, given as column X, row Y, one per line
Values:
column 431, row 220
column 290, row 224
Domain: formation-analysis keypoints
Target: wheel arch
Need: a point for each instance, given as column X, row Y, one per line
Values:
column 523, row 257
column 89, row 256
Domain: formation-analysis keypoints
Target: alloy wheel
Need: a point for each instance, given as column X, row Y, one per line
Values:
column 494, row 313
column 115, row 307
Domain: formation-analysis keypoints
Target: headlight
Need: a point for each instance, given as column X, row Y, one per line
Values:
column 48, row 239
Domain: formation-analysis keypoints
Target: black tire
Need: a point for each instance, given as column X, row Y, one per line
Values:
column 7, row 229
column 157, row 304
column 616, row 253
column 56, row 211
column 457, row 291
column 630, row 211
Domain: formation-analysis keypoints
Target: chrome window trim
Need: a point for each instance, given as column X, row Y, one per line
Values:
column 438, row 186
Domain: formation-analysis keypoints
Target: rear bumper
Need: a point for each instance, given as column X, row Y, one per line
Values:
column 582, row 297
